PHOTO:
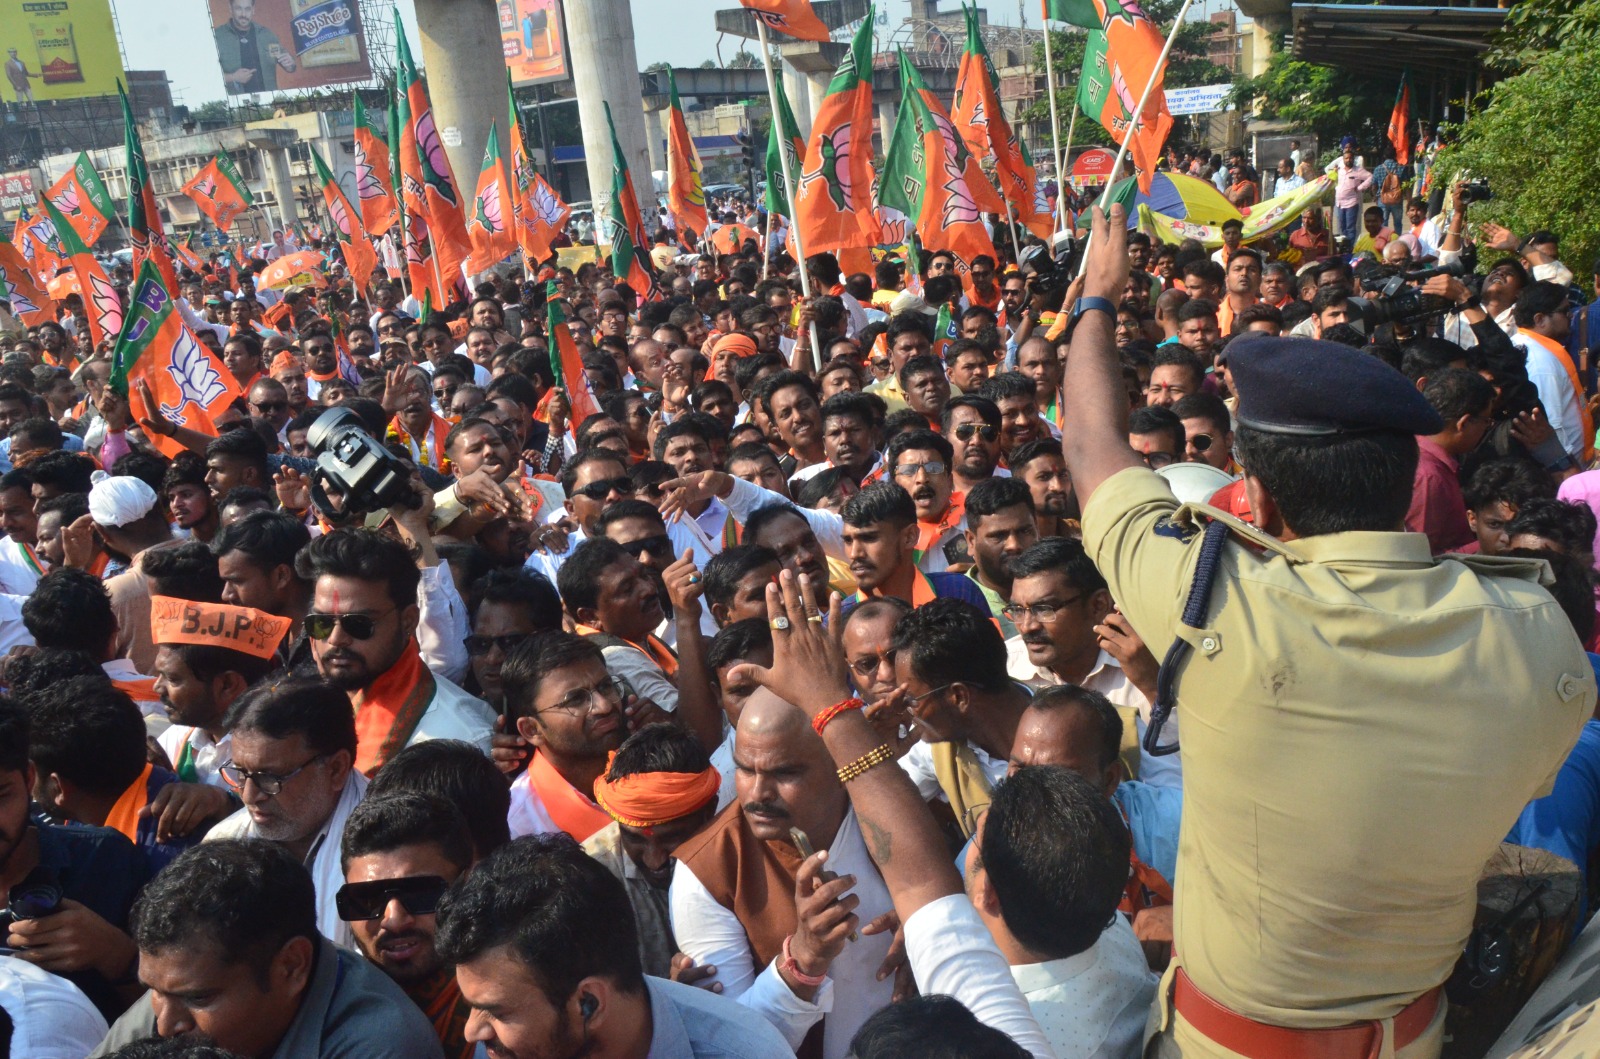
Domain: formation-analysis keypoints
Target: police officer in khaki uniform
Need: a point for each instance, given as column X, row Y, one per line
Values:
column 1362, row 723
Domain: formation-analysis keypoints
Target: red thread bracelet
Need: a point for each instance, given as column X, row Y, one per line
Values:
column 821, row 720
column 789, row 964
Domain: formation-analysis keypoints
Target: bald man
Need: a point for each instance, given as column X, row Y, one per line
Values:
column 726, row 896
column 269, row 400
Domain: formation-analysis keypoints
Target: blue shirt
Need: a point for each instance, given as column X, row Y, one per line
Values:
column 945, row 586
column 69, row 443
column 1153, row 814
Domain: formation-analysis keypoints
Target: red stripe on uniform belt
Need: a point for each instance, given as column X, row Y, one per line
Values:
column 1257, row 1040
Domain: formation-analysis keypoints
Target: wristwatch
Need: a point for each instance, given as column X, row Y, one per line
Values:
column 1091, row 304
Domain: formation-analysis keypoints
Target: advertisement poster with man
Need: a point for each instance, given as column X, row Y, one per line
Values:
column 57, row 50
column 278, row 45
column 530, row 31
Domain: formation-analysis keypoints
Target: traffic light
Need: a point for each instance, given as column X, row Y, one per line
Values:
column 748, row 151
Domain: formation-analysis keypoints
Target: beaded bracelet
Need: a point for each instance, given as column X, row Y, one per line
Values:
column 872, row 758
column 789, row 964
column 820, row 721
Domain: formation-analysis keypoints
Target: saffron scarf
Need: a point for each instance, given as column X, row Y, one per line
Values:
column 388, row 712
column 652, row 648
column 124, row 815
column 432, row 439
column 929, row 533
column 1556, row 350
column 570, row 809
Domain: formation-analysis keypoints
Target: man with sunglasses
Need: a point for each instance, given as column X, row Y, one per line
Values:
column 399, row 853
column 971, row 425
column 593, row 479
column 1207, row 430
column 1063, row 612
column 230, row 947
column 365, row 623
column 269, row 400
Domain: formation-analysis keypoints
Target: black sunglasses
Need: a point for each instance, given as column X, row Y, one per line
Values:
column 355, row 626
column 266, row 407
column 419, row 894
column 659, row 545
column 1201, row 442
column 478, row 646
column 601, row 489
column 965, row 431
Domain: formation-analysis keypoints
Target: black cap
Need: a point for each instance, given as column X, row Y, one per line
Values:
column 1315, row 389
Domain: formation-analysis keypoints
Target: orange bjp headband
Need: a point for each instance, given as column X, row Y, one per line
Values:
column 283, row 360
column 243, row 629
column 650, row 799
column 735, row 345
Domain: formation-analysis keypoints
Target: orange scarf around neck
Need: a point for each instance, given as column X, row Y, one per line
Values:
column 387, row 713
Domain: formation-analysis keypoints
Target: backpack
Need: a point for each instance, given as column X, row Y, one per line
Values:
column 1390, row 194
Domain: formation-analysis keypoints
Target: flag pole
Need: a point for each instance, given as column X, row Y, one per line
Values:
column 788, row 186
column 766, row 244
column 1062, row 176
column 1138, row 116
column 1055, row 121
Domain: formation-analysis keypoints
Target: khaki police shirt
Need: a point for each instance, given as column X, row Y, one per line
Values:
column 1361, row 726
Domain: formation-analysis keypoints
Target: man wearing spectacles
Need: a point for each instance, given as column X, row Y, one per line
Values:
column 270, row 401
column 510, row 608
column 400, row 852
column 1156, row 435
column 293, row 747
column 365, row 623
column 971, row 425
column 919, row 462
column 229, row 946
column 1064, row 618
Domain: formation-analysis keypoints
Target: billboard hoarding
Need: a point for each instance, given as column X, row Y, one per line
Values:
column 16, row 190
column 58, row 49
column 535, row 47
column 1205, row 99
column 281, row 45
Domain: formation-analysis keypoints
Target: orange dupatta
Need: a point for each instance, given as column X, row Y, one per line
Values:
column 652, row 648
column 568, row 808
column 1559, row 352
column 388, row 712
column 124, row 815
column 928, row 533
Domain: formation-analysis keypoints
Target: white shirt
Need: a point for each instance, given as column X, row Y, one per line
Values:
column 722, row 761
column 629, row 663
column 454, row 714
column 50, row 1017
column 918, row 764
column 209, row 756
column 442, row 624
column 527, row 815
column 951, row 953
column 19, row 574
column 480, row 374
column 1550, row 378
column 1109, row 680
column 322, row 860
column 1093, row 1005
column 711, row 933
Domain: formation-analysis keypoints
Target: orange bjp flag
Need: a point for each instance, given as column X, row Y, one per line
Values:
column 489, row 226
column 28, row 303
column 82, row 199
column 1399, row 131
column 359, row 255
column 423, row 163
column 1120, row 60
column 189, row 384
column 686, row 193
column 100, row 300
column 567, row 363
column 833, row 200
column 219, row 191
column 373, row 188
column 794, row 17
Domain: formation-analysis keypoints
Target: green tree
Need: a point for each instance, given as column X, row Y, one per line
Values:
column 1324, row 100
column 1187, row 65
column 1541, row 181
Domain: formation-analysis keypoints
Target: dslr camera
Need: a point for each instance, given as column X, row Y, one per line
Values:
column 355, row 473
column 1476, row 190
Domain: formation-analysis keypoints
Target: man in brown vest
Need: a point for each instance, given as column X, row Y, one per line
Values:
column 746, row 901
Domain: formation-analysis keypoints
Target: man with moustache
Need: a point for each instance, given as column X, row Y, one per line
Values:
column 1000, row 527
column 791, row 960
column 1039, row 466
column 971, row 425
column 660, row 789
column 400, row 852
column 919, row 462
column 363, row 627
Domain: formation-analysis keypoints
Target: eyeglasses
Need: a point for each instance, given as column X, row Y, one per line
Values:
column 1201, row 442
column 965, row 431
column 1044, row 613
column 444, row 393
column 318, row 351
column 268, row 407
column 603, row 488
column 418, row 894
column 355, row 626
column 909, row 470
column 866, row 668
column 658, row 546
column 478, row 646
column 268, row 783
column 579, row 698
column 914, row 701
column 1157, row 460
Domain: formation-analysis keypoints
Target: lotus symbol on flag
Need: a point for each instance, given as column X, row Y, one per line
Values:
column 1119, row 85
column 302, row 267
column 488, row 212
column 834, row 169
column 107, row 306
column 546, row 204
column 434, row 161
column 1127, row 11
column 207, row 187
column 341, row 219
column 895, row 226
column 67, row 201
column 196, row 379
column 367, row 183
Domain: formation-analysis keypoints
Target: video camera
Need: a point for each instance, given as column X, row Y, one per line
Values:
column 355, row 474
column 1393, row 299
column 1476, row 190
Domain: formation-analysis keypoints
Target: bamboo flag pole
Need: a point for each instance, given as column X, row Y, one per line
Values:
column 788, row 185
column 1055, row 121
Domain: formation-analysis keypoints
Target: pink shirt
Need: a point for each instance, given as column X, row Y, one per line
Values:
column 1437, row 507
column 1352, row 182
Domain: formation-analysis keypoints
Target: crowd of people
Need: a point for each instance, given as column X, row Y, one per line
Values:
column 804, row 696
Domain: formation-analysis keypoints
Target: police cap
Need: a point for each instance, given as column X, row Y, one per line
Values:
column 1309, row 388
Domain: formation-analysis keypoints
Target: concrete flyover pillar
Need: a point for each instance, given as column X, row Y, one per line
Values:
column 466, row 75
column 886, row 118
column 799, row 95
column 605, row 69
column 282, row 185
column 655, row 135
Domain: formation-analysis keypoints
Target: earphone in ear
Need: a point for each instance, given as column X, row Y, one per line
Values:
column 587, row 1006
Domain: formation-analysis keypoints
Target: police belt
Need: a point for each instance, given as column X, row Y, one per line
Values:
column 1257, row 1040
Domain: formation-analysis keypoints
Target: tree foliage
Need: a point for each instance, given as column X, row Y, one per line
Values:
column 1533, row 27
column 1324, row 100
column 1187, row 65
column 1541, row 181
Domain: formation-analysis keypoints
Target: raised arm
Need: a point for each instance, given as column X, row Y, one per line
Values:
column 1094, row 399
